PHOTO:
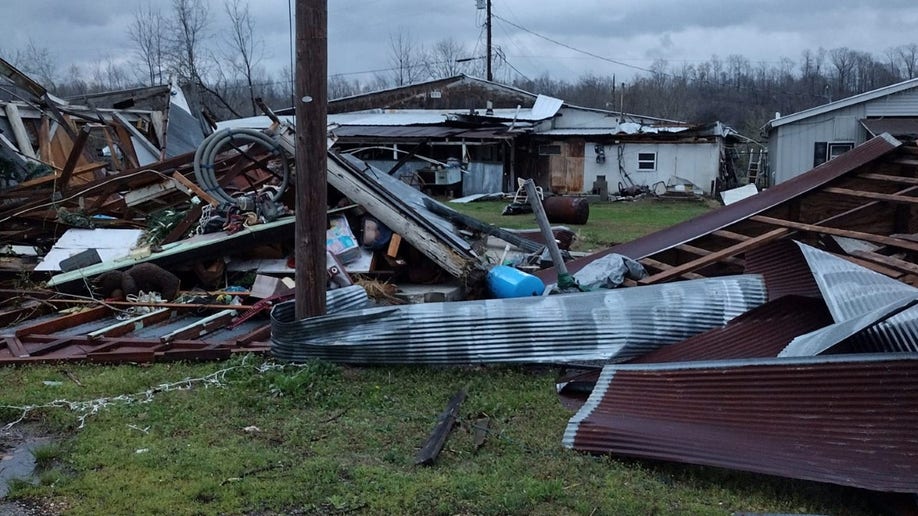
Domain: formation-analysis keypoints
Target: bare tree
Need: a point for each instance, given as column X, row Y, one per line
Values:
column 444, row 59
column 148, row 34
column 247, row 49
column 189, row 31
column 407, row 58
column 908, row 59
column 37, row 62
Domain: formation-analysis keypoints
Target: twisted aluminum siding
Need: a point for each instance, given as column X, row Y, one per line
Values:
column 601, row 325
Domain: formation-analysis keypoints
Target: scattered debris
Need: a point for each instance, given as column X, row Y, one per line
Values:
column 445, row 423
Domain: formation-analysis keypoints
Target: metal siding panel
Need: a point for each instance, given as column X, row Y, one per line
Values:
column 610, row 325
column 482, row 178
column 899, row 104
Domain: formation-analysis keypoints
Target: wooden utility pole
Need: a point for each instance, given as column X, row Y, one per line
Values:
column 311, row 107
column 490, row 76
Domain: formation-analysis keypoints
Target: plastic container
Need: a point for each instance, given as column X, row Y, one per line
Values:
column 505, row 282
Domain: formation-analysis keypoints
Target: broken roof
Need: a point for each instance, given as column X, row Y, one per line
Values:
column 855, row 195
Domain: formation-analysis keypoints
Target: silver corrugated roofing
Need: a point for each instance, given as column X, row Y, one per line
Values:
column 847, row 420
column 601, row 325
column 854, row 292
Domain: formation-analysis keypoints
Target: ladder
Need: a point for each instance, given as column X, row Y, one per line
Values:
column 755, row 161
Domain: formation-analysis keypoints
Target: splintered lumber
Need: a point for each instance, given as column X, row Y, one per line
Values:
column 445, row 421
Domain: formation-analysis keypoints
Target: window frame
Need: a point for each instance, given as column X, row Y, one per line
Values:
column 643, row 160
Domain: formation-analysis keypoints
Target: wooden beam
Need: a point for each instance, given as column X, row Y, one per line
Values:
column 19, row 131
column 869, row 237
column 200, row 327
column 888, row 261
column 445, row 421
column 75, row 153
column 891, row 179
column 704, row 252
column 717, row 256
column 650, row 262
column 122, row 328
column 191, row 186
column 730, row 235
column 15, row 346
column 860, row 194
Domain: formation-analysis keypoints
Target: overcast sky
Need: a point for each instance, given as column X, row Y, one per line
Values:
column 635, row 32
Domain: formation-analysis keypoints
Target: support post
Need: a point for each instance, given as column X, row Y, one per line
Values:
column 311, row 107
column 490, row 76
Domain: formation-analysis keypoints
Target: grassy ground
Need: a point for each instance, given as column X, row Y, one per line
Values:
column 609, row 223
column 323, row 439
column 250, row 436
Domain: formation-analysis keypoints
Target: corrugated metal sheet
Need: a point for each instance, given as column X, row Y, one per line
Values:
column 723, row 217
column 852, row 291
column 601, row 325
column 759, row 333
column 785, row 270
column 847, row 420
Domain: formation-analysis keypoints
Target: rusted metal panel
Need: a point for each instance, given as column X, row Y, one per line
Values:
column 785, row 270
column 846, row 419
column 759, row 333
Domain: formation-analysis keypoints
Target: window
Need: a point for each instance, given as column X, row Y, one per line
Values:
column 547, row 150
column 647, row 161
column 824, row 151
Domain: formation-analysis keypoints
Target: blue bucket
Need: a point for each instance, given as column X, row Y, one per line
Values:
column 505, row 282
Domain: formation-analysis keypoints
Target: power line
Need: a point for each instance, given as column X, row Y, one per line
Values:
column 575, row 49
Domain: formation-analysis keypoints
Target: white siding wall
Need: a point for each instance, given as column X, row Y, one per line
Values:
column 695, row 162
column 904, row 103
column 579, row 119
column 791, row 146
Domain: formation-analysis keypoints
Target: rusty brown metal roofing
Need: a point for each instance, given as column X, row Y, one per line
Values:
column 784, row 268
column 782, row 223
column 846, row 419
column 759, row 333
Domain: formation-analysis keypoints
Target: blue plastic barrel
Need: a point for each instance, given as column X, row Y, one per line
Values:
column 505, row 281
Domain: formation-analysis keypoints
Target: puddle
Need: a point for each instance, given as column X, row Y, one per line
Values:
column 16, row 459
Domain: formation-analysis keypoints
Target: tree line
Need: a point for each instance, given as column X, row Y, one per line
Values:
column 223, row 71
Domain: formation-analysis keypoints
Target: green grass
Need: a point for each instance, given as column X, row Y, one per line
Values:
column 334, row 439
column 609, row 223
column 329, row 439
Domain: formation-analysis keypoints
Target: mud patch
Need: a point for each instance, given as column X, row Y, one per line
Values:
column 16, row 459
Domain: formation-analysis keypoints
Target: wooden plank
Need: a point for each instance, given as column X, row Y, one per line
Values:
column 19, row 131
column 892, row 179
column 445, row 421
column 860, row 194
column 15, row 346
column 44, row 139
column 888, row 261
column 190, row 185
column 116, row 162
column 127, row 146
column 64, row 322
column 697, row 251
column 394, row 244
column 52, row 346
column 74, row 157
column 656, row 264
column 716, row 256
column 730, row 235
column 870, row 237
column 149, row 193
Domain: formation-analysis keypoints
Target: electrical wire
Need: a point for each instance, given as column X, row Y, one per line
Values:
column 575, row 49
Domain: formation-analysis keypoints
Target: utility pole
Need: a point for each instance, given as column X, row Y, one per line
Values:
column 311, row 108
column 490, row 76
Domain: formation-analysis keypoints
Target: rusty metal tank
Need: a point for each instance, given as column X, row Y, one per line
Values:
column 567, row 210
